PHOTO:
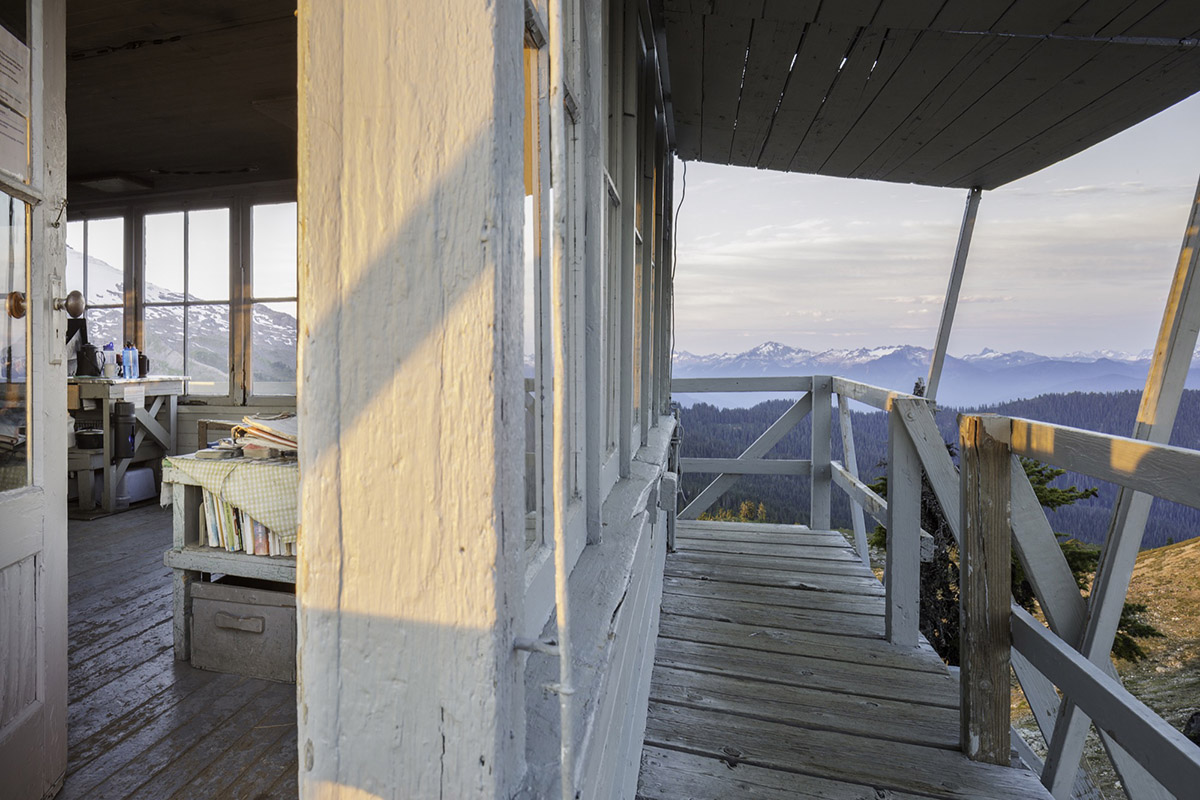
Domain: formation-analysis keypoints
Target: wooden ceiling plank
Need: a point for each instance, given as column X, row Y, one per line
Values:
column 875, row 59
column 1087, row 84
column 1091, row 17
column 848, row 12
column 1170, row 20
column 1142, row 96
column 821, row 52
column 1046, row 64
column 982, row 62
column 791, row 10
column 929, row 62
column 970, row 15
column 685, row 49
column 1133, row 12
column 1035, row 16
column 726, row 40
column 910, row 14
column 773, row 44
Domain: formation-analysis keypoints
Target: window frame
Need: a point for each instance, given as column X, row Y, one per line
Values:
column 240, row 201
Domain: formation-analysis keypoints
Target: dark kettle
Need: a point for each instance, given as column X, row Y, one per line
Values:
column 90, row 361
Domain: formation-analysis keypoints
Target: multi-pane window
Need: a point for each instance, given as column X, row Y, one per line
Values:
column 272, row 300
column 96, row 267
column 185, row 295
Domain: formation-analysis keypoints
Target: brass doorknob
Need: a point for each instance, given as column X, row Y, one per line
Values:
column 73, row 303
column 15, row 305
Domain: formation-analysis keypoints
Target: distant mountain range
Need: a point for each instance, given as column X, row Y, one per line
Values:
column 979, row 379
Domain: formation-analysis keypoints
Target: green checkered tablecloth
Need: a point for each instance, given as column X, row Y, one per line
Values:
column 268, row 491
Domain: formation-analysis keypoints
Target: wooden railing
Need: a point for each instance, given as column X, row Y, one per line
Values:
column 1072, row 654
column 991, row 511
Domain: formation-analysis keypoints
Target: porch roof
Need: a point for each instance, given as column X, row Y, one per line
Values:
column 937, row 92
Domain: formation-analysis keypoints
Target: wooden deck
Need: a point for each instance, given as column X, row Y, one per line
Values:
column 772, row 680
column 141, row 725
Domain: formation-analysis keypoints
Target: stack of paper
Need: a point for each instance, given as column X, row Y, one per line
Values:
column 278, row 432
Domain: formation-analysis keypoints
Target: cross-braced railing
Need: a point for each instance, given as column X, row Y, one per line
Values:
column 991, row 510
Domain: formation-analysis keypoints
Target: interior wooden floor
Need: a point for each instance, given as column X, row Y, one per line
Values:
column 772, row 680
column 140, row 724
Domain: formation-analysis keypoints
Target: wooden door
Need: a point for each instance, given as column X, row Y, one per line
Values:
column 33, row 535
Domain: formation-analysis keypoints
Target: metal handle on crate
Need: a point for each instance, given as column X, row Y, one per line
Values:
column 248, row 624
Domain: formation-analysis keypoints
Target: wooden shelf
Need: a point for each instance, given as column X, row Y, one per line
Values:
column 211, row 559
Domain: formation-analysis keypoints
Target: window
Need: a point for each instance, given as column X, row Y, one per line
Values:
column 273, row 327
column 186, row 297
column 213, row 294
column 96, row 267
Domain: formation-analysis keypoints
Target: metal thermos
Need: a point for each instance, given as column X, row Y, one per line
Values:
column 124, row 429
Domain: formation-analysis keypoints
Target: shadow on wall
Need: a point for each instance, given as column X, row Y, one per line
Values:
column 412, row 417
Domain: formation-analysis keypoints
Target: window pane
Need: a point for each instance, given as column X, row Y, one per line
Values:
column 274, row 250
column 75, row 256
column 208, row 350
column 273, row 348
column 13, row 446
column 164, row 340
column 106, row 262
column 106, row 325
column 164, row 257
column 208, row 254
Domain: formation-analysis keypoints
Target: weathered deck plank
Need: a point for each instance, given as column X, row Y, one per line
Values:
column 141, row 724
column 772, row 679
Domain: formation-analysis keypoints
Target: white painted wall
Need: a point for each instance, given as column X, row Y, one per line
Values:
column 410, row 418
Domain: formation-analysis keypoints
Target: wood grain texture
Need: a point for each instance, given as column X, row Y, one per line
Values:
column 986, row 587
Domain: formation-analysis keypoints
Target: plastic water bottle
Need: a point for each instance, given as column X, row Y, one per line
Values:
column 129, row 361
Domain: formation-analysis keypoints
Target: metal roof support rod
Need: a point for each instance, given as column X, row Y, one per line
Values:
column 558, row 299
column 1155, row 421
column 950, row 304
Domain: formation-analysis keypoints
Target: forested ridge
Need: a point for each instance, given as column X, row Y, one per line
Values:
column 710, row 432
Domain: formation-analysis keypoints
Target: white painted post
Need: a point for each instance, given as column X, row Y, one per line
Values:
column 902, row 574
column 1155, row 421
column 409, row 581
column 821, row 478
column 851, row 458
column 628, row 242
column 596, row 209
column 647, row 123
column 951, row 302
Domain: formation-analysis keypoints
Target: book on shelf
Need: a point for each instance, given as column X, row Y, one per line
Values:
column 229, row 528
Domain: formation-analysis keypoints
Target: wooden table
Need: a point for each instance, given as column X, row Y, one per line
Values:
column 190, row 557
column 152, row 397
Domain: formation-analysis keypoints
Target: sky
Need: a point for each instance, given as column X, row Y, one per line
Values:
column 1075, row 258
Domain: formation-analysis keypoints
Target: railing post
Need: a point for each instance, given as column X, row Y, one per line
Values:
column 821, row 478
column 985, row 587
column 902, row 575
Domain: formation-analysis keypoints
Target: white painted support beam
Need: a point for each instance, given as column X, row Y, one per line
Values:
column 560, row 444
column 950, row 304
column 851, row 458
column 769, row 384
column 1156, row 419
column 769, row 438
column 821, row 480
column 409, row 583
column 902, row 575
column 1156, row 469
column 865, row 393
column 647, row 123
column 1169, row 756
column 628, row 242
column 596, row 211
column 747, row 466
column 866, row 500
column 985, row 588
